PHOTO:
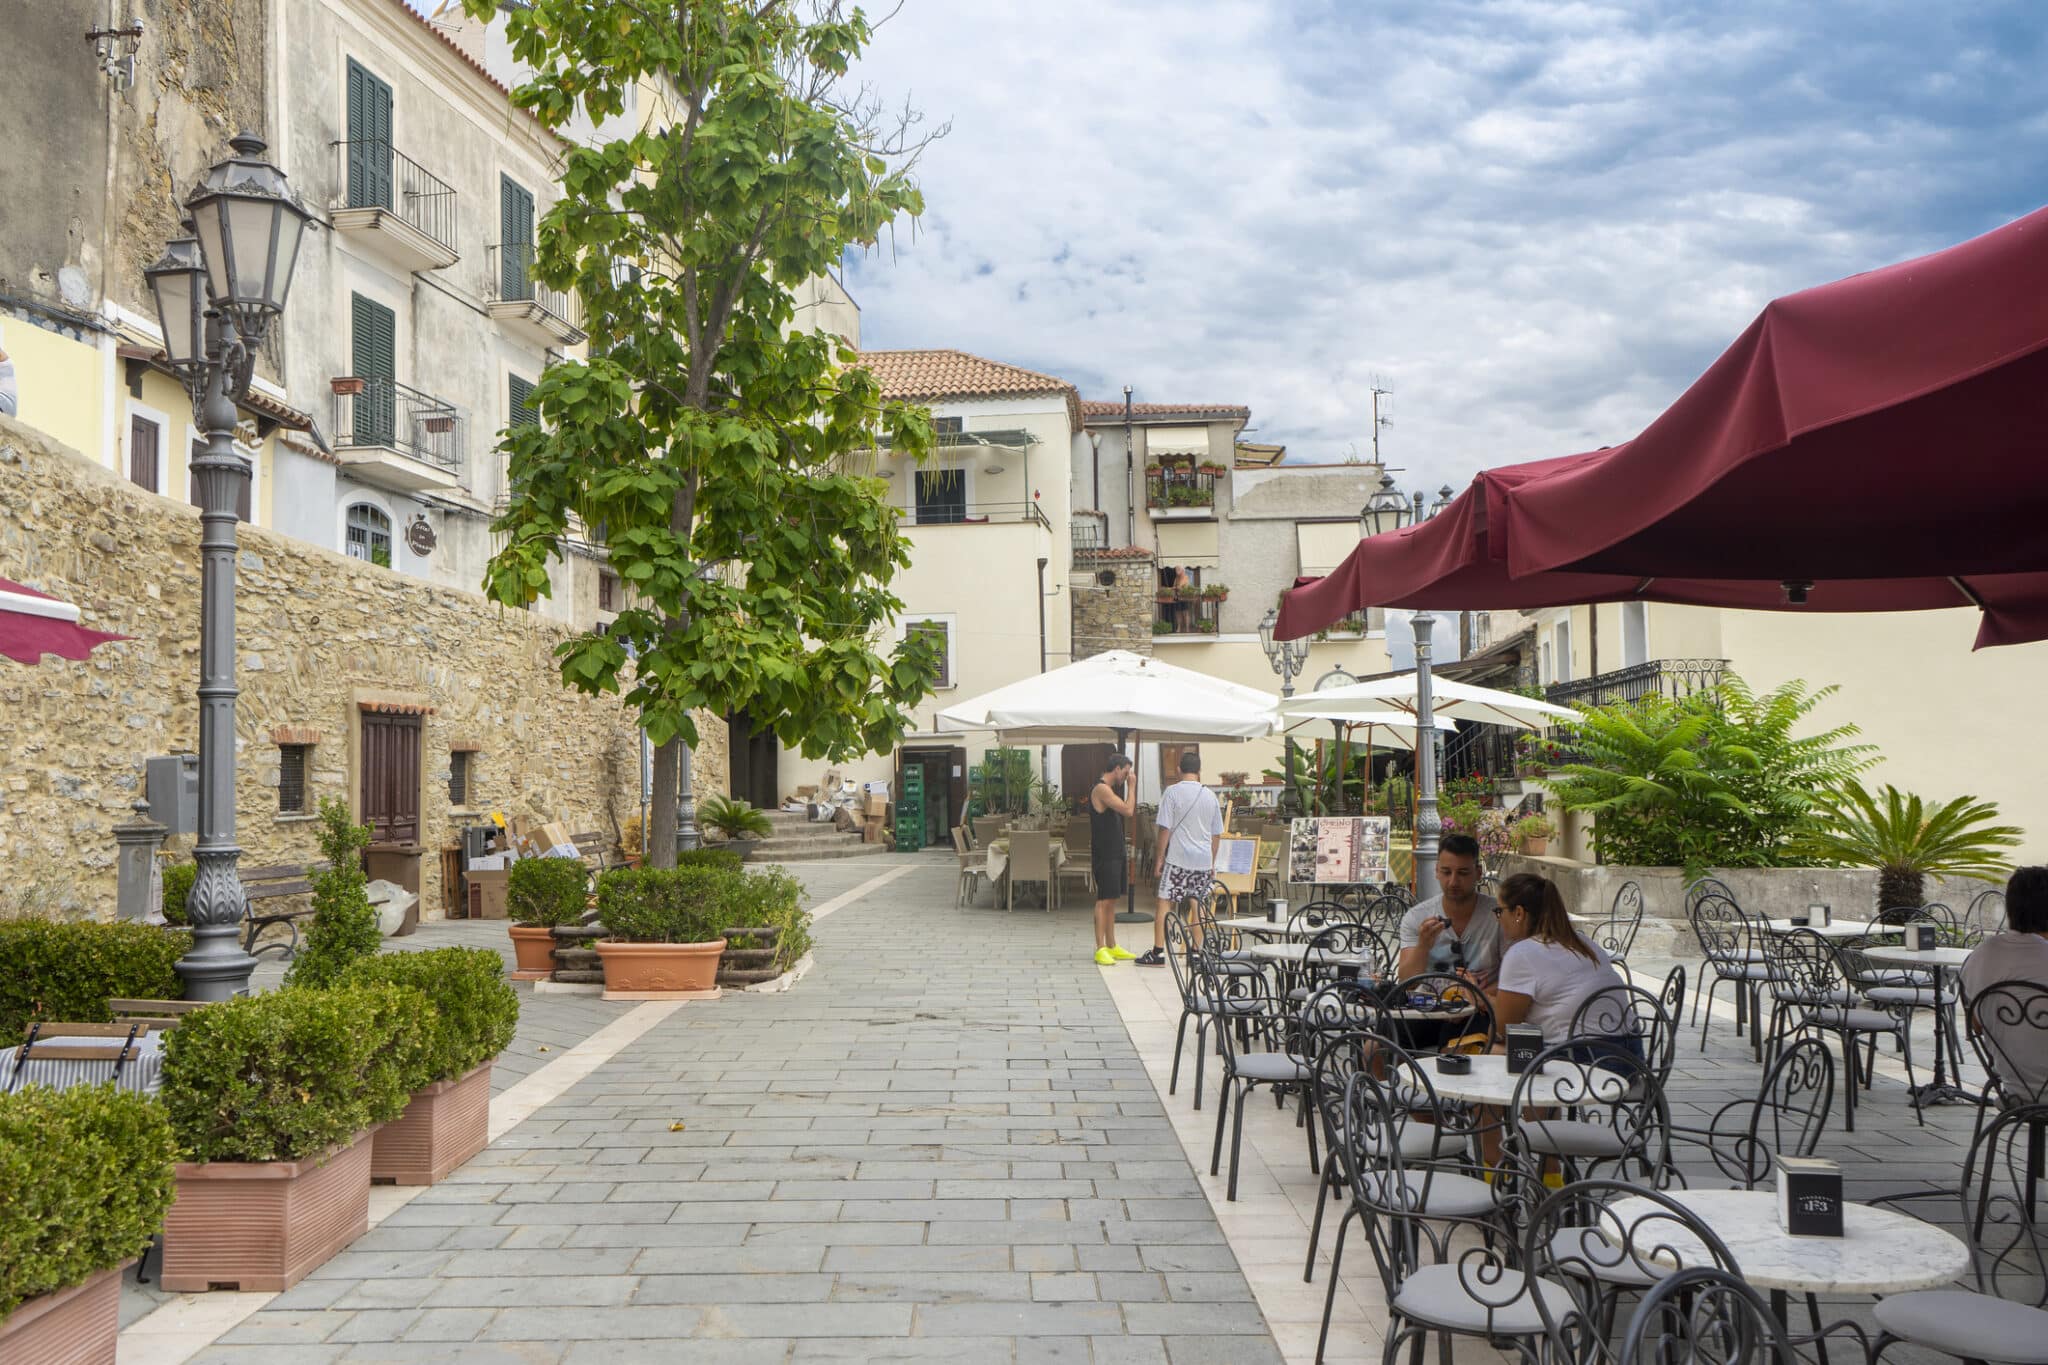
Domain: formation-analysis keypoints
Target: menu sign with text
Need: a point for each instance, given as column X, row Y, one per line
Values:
column 1340, row 850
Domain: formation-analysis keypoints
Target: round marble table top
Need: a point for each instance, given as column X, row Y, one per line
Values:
column 1879, row 1252
column 1949, row 958
column 1841, row 928
column 1298, row 953
column 1490, row 1082
column 1258, row 924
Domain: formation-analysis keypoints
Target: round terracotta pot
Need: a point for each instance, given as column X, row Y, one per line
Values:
column 533, row 947
column 660, row 966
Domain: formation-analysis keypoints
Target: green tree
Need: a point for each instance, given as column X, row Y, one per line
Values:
column 1905, row 839
column 713, row 444
column 1718, row 778
column 344, row 924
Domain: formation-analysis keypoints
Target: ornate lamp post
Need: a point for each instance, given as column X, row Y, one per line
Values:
column 1288, row 658
column 217, row 293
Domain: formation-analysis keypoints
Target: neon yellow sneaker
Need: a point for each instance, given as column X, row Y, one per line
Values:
column 1553, row 1180
column 1120, row 955
column 1103, row 959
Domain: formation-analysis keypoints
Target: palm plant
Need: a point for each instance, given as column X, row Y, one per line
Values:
column 733, row 819
column 1905, row 838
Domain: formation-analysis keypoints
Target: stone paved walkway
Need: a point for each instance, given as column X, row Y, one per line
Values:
column 942, row 1144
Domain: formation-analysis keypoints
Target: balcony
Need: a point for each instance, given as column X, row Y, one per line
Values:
column 1187, row 613
column 1174, row 492
column 393, row 208
column 944, row 513
column 396, row 437
column 1656, row 678
column 525, row 307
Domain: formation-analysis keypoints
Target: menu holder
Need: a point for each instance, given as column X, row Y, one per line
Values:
column 1453, row 1064
column 1347, row 971
column 1923, row 938
column 1809, row 1196
column 1524, row 1042
column 1820, row 914
column 1276, row 912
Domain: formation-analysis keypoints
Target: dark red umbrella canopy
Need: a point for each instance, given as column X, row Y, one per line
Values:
column 26, row 637
column 1892, row 425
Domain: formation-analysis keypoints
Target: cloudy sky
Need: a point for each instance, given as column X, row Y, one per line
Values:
column 1535, row 221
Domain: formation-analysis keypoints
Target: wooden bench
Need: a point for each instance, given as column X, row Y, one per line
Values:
column 276, row 883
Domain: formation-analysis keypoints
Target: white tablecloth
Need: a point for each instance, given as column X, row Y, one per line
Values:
column 999, row 856
column 143, row 1074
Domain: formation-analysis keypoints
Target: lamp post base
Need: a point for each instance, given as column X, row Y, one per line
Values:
column 216, row 969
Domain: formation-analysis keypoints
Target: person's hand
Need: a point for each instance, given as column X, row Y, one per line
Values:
column 1429, row 931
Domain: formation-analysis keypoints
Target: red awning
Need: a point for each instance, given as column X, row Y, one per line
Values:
column 29, row 630
column 1881, row 438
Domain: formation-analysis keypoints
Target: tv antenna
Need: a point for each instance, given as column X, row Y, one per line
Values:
column 1380, row 418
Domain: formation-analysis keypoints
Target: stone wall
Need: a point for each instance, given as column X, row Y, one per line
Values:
column 1117, row 614
column 320, row 637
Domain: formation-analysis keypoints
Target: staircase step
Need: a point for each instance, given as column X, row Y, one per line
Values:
column 818, row 853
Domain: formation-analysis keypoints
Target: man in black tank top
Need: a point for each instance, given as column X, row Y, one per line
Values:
column 1109, row 807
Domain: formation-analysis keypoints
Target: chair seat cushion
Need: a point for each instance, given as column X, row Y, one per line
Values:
column 1959, row 1323
column 1586, row 1254
column 1442, row 1194
column 1919, row 997
column 1460, row 1299
column 1863, row 1021
column 1202, row 1004
column 1420, row 1142
column 1573, row 1137
column 1268, row 1066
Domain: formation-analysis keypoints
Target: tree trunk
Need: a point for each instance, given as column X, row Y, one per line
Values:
column 1900, row 890
column 661, row 804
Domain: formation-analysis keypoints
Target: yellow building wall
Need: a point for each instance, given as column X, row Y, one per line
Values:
column 60, row 383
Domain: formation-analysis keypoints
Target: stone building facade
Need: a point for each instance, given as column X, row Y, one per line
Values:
column 1113, row 592
column 324, row 640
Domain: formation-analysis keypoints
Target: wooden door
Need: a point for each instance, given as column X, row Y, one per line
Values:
column 391, row 778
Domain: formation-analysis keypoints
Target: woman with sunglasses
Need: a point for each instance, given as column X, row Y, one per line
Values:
column 1548, row 969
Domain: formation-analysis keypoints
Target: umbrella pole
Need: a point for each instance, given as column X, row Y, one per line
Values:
column 1130, row 913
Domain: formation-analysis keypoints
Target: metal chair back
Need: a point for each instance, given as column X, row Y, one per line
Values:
column 2001, row 1196
column 1699, row 888
column 1987, row 911
column 1705, row 1316
column 1631, row 1012
column 1435, row 999
column 1787, row 1117
column 2009, row 1031
column 1726, row 934
column 1602, row 1086
column 1617, row 933
column 1672, row 997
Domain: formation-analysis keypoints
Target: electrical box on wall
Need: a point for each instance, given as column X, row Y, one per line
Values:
column 173, row 787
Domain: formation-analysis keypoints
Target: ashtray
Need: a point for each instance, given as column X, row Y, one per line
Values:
column 1452, row 1064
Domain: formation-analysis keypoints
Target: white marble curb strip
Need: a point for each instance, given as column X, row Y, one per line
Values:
column 846, row 898
column 188, row 1324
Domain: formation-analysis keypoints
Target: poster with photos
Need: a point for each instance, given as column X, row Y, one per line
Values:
column 1340, row 850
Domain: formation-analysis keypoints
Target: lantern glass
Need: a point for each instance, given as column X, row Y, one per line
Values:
column 249, row 230
column 179, row 285
column 1266, row 625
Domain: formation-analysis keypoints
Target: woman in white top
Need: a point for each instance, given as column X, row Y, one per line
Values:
column 1548, row 969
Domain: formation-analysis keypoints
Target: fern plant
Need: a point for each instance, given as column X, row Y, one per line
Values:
column 1906, row 838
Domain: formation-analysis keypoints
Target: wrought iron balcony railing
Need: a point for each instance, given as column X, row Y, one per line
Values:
column 1171, row 488
column 374, row 174
column 1090, row 533
column 1657, row 677
column 378, row 413
column 1177, row 615
column 977, row 514
column 508, row 270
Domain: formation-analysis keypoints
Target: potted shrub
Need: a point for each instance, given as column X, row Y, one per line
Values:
column 344, row 926
column 666, row 930
column 272, row 1099
column 541, row 893
column 69, row 971
column 737, row 824
column 1215, row 592
column 1187, row 592
column 1206, row 627
column 728, row 859
column 447, row 1116
column 1235, row 779
column 1532, row 835
column 1906, row 838
column 88, row 1175
column 1162, row 628
column 767, row 929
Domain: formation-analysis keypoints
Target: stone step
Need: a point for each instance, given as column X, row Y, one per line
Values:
column 823, row 834
column 816, row 852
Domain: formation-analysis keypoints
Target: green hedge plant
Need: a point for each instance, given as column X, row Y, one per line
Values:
column 474, row 1010
column 664, row 905
column 293, row 1074
column 771, row 900
column 545, row 892
column 89, row 1173
column 727, row 859
column 344, row 924
column 178, row 879
column 51, row 970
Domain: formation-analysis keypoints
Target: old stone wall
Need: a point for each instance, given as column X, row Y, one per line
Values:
column 320, row 638
column 1117, row 614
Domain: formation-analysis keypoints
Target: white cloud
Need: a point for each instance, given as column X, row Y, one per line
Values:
column 1537, row 221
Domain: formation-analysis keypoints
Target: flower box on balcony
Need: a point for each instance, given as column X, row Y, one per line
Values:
column 348, row 387
column 438, row 425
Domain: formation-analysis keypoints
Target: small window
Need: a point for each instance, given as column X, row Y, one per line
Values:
column 941, row 633
column 941, row 496
column 948, row 426
column 607, row 591
column 144, row 443
column 522, row 412
column 291, row 779
column 369, row 534
column 461, row 778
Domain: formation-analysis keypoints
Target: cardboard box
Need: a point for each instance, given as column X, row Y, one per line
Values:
column 875, row 804
column 487, row 893
column 875, row 831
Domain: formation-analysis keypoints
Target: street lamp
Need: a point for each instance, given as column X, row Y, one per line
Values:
column 217, row 292
column 1288, row 658
column 1339, row 677
column 1386, row 510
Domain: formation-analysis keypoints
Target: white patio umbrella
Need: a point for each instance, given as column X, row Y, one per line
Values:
column 1122, row 694
column 1452, row 700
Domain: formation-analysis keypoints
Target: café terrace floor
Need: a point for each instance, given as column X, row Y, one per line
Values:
column 950, row 1140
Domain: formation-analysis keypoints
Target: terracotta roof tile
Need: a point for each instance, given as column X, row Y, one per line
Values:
column 918, row 375
column 1094, row 409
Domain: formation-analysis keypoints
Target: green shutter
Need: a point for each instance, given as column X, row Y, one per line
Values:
column 523, row 414
column 369, row 139
column 373, row 350
column 515, row 236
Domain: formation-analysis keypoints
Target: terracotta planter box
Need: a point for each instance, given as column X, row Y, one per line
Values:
column 263, row 1224
column 445, row 1125
column 657, row 971
column 1535, row 848
column 533, row 952
column 347, row 387
column 75, row 1326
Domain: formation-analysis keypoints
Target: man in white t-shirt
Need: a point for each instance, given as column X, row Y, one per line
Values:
column 2013, row 1032
column 1454, row 931
column 1190, row 822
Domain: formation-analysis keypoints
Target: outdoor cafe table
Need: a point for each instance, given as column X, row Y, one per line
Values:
column 1835, row 929
column 1935, row 961
column 142, row 1073
column 1879, row 1252
column 1266, row 928
column 999, row 857
column 1297, row 955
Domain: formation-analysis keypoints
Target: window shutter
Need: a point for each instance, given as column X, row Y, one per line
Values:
column 142, row 452
column 515, row 235
column 523, row 414
column 369, row 139
column 373, row 354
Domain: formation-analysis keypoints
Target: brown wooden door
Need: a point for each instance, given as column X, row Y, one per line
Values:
column 391, row 778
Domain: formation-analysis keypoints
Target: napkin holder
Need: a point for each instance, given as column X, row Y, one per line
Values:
column 1809, row 1196
column 1347, row 971
column 1276, row 912
column 1453, row 1064
column 1820, row 914
column 1923, row 938
column 1801, row 921
column 1524, row 1042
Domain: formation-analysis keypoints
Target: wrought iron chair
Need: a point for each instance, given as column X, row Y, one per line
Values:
column 1613, row 1113
column 1631, row 1011
column 1728, row 937
column 2009, row 1033
column 1385, row 913
column 1251, row 1043
column 1195, row 1003
column 1617, row 933
column 1431, row 1010
column 1786, row 1117
column 1705, row 1316
column 1334, row 940
column 1987, row 911
column 1816, row 994
column 1673, row 995
column 2006, row 1316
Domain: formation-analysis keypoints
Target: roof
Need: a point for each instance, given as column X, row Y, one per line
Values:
column 921, row 376
column 432, row 26
column 1259, row 455
column 1095, row 410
